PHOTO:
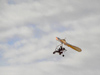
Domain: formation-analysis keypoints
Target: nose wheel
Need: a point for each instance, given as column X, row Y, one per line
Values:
column 63, row 55
column 54, row 52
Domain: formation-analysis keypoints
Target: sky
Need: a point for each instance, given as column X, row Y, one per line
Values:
column 28, row 31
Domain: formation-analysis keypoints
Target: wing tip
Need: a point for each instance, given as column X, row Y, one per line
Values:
column 79, row 50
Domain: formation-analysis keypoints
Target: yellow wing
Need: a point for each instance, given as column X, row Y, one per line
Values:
column 73, row 47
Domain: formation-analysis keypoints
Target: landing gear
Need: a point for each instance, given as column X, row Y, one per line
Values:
column 54, row 52
column 59, row 49
column 63, row 55
column 59, row 53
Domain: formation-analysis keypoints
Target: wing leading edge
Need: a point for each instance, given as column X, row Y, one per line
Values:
column 63, row 41
column 73, row 47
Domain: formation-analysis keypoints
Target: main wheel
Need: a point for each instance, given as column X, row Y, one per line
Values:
column 60, row 53
column 53, row 52
column 63, row 48
column 63, row 55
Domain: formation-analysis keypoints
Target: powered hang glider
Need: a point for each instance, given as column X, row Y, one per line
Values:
column 60, row 50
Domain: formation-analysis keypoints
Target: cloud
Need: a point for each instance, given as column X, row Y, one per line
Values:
column 28, row 30
column 21, row 31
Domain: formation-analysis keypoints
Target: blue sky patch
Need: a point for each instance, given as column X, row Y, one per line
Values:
column 63, row 28
column 11, row 2
column 11, row 41
column 38, row 32
column 3, row 62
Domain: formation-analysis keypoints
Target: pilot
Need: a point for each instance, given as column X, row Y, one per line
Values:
column 60, row 50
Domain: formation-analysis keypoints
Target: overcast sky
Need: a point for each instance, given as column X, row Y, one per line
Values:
column 28, row 31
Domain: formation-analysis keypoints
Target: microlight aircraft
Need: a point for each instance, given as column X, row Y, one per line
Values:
column 60, row 49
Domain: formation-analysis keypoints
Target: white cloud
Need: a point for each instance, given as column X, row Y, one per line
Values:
column 21, row 31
